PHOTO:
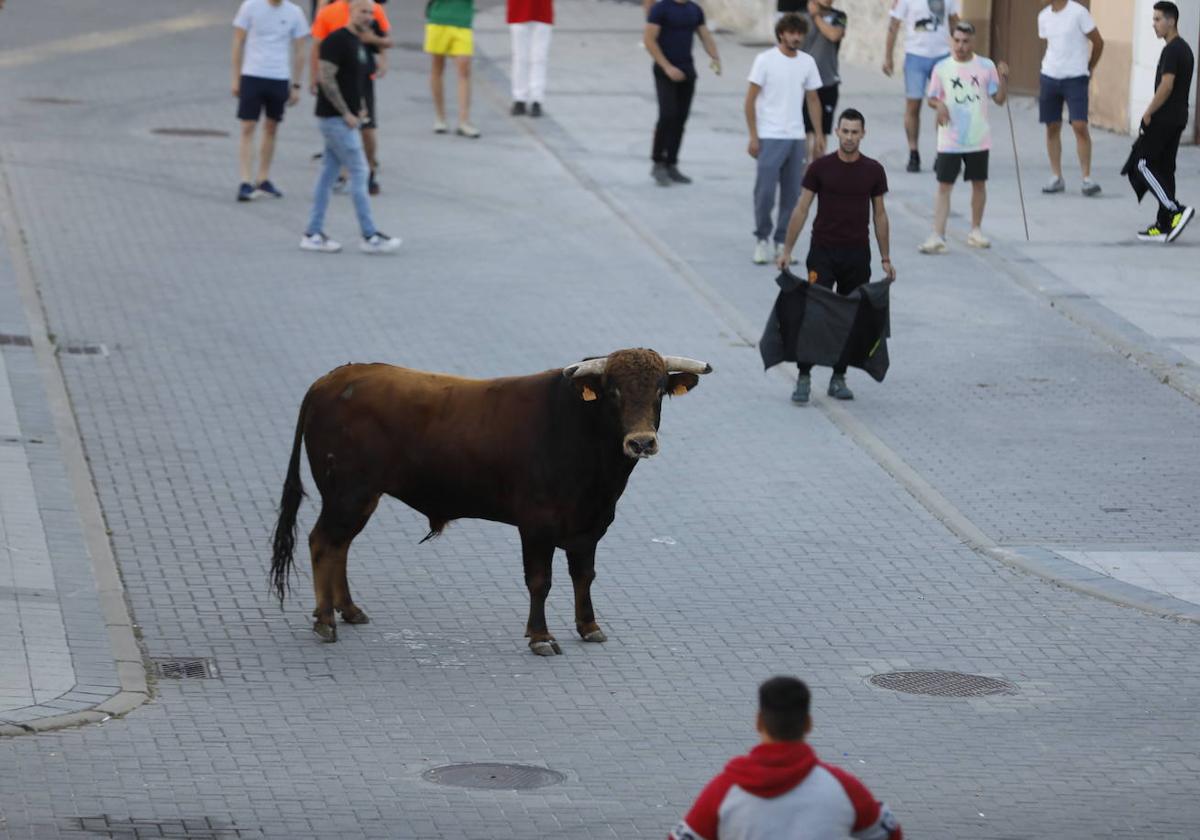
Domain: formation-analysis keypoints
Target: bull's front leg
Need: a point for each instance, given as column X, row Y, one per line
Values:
column 537, row 553
column 582, row 563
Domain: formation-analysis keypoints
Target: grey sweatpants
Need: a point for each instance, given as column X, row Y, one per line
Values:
column 780, row 166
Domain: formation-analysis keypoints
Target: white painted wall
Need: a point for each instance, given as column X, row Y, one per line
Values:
column 1146, row 49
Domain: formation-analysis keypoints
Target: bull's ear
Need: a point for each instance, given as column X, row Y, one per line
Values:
column 588, row 387
column 679, row 384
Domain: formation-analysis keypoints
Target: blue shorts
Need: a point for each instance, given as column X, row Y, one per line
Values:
column 1052, row 94
column 917, row 70
column 256, row 94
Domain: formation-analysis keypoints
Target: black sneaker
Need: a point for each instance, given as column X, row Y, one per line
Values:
column 914, row 162
column 803, row 388
column 1179, row 222
column 1153, row 233
column 517, row 110
column 660, row 176
column 267, row 188
column 535, row 110
column 678, row 177
column 245, row 192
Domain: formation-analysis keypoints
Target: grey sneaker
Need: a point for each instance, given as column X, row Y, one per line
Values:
column 678, row 177
column 803, row 387
column 1054, row 185
column 838, row 389
column 660, row 175
column 1090, row 187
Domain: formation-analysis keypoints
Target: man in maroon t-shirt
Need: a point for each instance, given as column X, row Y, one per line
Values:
column 851, row 187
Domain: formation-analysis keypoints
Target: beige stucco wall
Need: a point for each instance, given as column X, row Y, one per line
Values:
column 1108, row 93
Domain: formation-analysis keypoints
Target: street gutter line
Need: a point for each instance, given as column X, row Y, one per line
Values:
column 127, row 654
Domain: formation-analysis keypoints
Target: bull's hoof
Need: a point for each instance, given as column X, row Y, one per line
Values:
column 327, row 632
column 596, row 635
column 355, row 616
column 545, row 647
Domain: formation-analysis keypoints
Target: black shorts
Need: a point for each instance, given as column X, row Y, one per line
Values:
column 369, row 101
column 974, row 166
column 256, row 94
column 845, row 266
column 829, row 98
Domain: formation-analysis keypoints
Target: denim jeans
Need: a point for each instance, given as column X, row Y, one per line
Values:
column 343, row 147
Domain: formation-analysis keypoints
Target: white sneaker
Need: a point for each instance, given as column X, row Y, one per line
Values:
column 440, row 127
column 976, row 239
column 380, row 243
column 319, row 242
column 762, row 252
column 933, row 245
column 468, row 130
column 779, row 253
column 1054, row 185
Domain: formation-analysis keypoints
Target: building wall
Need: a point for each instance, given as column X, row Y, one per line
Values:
column 1109, row 90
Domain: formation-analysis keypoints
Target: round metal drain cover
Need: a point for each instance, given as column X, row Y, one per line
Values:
column 488, row 776
column 942, row 684
column 190, row 132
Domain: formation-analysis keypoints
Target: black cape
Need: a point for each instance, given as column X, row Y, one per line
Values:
column 1130, row 169
column 814, row 325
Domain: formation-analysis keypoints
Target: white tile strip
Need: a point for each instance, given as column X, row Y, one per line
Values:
column 1174, row 573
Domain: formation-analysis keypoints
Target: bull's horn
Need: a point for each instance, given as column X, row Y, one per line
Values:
column 682, row 364
column 591, row 367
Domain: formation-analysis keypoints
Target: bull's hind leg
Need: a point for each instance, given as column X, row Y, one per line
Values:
column 329, row 543
column 582, row 563
column 538, row 555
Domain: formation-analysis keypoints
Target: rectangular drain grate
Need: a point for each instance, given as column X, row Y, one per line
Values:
column 186, row 669
column 192, row 828
column 15, row 340
column 84, row 349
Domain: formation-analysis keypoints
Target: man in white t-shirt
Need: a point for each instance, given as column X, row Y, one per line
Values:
column 783, row 81
column 927, row 27
column 1073, row 46
column 268, row 54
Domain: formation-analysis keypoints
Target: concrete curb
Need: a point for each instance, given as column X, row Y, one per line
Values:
column 1119, row 333
column 127, row 653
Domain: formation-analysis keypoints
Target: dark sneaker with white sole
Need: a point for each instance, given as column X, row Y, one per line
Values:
column 1179, row 222
column 267, row 188
column 914, row 162
column 837, row 388
column 1152, row 234
column 678, row 177
column 245, row 192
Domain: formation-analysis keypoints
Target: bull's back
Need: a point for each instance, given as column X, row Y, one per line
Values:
column 445, row 445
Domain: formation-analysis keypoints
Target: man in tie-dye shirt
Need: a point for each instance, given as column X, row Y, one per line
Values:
column 959, row 91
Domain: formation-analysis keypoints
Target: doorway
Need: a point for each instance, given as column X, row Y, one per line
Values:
column 1014, row 39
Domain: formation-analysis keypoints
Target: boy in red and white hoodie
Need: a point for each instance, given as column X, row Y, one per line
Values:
column 781, row 790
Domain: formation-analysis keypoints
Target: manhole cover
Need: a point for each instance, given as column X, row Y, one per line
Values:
column 190, row 132
column 186, row 669
column 487, row 776
column 942, row 684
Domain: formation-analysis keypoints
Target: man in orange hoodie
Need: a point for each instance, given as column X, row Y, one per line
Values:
column 781, row 789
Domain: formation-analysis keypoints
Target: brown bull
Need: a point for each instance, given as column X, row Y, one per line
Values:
column 549, row 453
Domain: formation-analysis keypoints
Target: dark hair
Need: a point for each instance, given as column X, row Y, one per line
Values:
column 852, row 114
column 1169, row 10
column 791, row 22
column 783, row 707
column 965, row 26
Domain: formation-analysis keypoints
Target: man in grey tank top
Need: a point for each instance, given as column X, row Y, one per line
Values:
column 826, row 28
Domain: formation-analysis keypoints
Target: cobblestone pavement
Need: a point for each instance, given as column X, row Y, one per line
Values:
column 763, row 539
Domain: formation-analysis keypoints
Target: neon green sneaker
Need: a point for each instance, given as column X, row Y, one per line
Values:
column 1152, row 234
column 1179, row 222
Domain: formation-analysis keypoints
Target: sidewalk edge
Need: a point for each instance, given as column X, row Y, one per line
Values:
column 123, row 642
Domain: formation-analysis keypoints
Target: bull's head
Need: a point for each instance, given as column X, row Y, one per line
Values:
column 630, row 385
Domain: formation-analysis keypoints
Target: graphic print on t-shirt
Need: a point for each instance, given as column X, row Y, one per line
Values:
column 965, row 87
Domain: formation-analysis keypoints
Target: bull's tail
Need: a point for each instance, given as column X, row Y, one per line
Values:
column 284, row 538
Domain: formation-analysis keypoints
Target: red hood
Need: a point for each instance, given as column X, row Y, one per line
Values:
column 772, row 769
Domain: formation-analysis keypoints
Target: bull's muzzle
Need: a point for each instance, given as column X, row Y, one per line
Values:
column 641, row 444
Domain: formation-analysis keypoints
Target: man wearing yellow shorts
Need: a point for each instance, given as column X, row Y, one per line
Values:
column 448, row 33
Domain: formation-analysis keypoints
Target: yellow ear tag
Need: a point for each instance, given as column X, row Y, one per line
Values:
column 588, row 394
column 679, row 390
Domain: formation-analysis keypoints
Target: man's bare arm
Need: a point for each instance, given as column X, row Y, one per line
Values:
column 883, row 235
column 327, row 79
column 239, row 48
column 831, row 32
column 890, row 48
column 298, row 50
column 710, row 47
column 1160, row 96
column 795, row 225
column 1097, row 49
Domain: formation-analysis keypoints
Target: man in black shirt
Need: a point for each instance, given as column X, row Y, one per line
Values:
column 341, row 109
column 1163, row 124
